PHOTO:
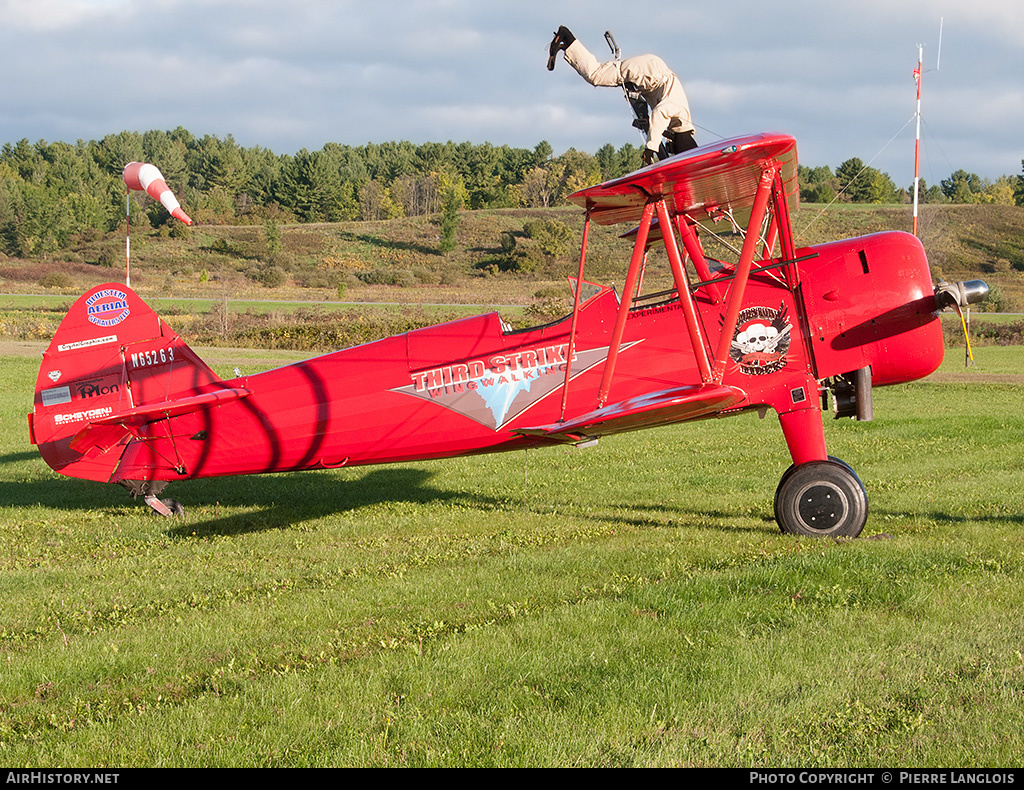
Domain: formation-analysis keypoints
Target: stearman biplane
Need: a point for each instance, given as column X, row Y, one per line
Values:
column 121, row 398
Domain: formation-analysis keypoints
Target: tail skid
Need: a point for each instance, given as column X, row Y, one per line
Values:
column 113, row 366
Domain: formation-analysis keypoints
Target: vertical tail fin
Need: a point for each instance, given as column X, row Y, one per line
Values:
column 111, row 353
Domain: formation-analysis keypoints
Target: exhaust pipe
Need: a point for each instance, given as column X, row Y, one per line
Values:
column 851, row 395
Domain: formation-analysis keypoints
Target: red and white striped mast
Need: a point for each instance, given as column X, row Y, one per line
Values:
column 918, row 77
column 127, row 238
column 918, row 74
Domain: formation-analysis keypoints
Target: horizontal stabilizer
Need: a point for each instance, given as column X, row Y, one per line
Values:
column 665, row 407
column 107, row 432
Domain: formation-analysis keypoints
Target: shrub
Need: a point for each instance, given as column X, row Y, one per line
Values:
column 424, row 275
column 179, row 230
column 996, row 301
column 378, row 276
column 266, row 275
column 508, row 242
column 108, row 258
column 56, row 280
column 553, row 237
column 550, row 309
column 406, row 279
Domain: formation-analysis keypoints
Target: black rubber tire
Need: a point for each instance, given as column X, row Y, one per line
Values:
column 177, row 509
column 821, row 499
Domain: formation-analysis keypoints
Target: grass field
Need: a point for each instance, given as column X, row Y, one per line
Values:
column 633, row 604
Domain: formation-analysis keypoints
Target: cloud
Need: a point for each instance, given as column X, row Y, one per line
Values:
column 299, row 75
column 53, row 15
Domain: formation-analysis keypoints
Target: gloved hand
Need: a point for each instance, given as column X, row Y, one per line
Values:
column 650, row 156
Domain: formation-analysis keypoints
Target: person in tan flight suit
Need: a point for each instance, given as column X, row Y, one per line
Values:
column 644, row 76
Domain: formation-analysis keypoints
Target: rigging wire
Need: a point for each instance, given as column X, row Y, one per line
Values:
column 852, row 180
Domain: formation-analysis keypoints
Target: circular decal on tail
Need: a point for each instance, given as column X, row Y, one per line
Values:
column 108, row 307
column 761, row 341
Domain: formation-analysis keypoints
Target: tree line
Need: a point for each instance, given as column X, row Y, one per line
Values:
column 52, row 194
column 855, row 182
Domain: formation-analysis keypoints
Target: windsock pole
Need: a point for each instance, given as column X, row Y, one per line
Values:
column 918, row 76
column 127, row 238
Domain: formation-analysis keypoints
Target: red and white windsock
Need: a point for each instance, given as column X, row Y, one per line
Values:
column 139, row 175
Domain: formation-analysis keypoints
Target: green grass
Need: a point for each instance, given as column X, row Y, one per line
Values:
column 633, row 604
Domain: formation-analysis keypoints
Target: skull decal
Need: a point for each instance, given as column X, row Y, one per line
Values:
column 761, row 341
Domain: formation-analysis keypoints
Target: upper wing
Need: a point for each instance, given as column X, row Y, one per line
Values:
column 701, row 183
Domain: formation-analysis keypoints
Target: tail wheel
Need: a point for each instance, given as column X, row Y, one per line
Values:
column 166, row 507
column 821, row 499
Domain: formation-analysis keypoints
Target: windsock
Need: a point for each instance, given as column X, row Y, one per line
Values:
column 138, row 175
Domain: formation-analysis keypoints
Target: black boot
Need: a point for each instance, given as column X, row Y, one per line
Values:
column 563, row 38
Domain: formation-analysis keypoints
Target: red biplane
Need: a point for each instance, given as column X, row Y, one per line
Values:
column 121, row 398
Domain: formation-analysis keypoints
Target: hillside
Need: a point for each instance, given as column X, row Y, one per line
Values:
column 517, row 257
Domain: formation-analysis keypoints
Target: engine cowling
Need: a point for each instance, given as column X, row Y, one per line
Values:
column 870, row 303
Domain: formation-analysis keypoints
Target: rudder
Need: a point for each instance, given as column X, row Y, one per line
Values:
column 110, row 354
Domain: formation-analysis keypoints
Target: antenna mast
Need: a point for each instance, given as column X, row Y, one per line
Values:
column 918, row 76
column 127, row 238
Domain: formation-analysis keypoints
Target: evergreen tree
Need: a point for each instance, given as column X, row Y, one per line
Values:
column 453, row 198
column 962, row 187
column 859, row 183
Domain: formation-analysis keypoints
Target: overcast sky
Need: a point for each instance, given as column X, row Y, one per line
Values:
column 298, row 74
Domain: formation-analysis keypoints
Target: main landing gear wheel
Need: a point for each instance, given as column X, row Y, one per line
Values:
column 821, row 499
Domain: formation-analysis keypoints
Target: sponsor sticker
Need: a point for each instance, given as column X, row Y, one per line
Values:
column 95, row 388
column 82, row 416
column 761, row 342
column 56, row 396
column 108, row 307
column 495, row 390
column 96, row 341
